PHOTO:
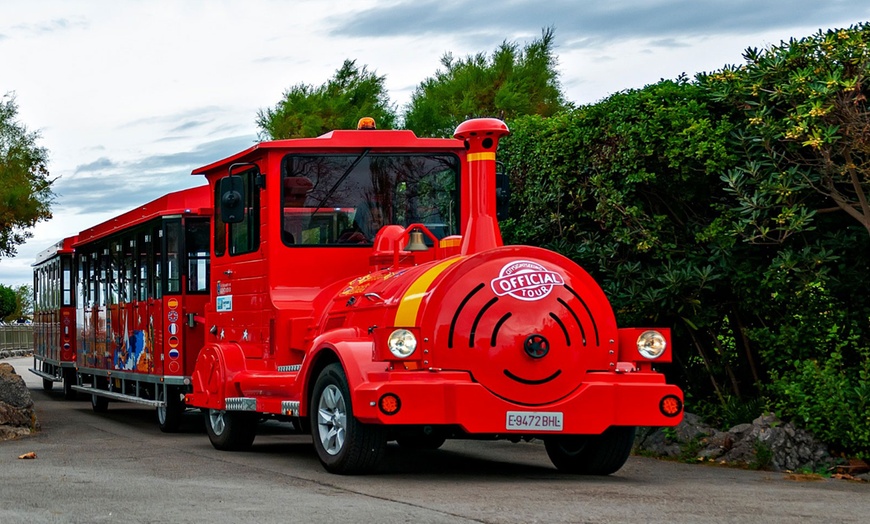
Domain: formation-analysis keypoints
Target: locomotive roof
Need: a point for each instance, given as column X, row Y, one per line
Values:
column 338, row 140
column 195, row 199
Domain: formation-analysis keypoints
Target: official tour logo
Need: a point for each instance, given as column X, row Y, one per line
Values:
column 525, row 280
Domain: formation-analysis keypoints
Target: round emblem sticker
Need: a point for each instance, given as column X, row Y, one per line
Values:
column 173, row 353
column 525, row 280
column 172, row 316
column 173, row 303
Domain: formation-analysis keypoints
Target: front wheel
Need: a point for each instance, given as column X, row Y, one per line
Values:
column 591, row 454
column 344, row 445
column 231, row 430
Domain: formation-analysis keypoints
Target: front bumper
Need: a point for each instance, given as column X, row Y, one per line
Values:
column 452, row 398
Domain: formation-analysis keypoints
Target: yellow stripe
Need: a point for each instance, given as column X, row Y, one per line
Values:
column 473, row 157
column 410, row 304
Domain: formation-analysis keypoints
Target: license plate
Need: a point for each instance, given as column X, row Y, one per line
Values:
column 534, row 420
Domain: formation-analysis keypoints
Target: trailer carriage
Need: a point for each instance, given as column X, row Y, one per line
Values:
column 142, row 279
column 54, row 317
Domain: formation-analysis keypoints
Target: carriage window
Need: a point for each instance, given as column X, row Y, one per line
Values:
column 128, row 261
column 143, row 242
column 157, row 260
column 172, row 232
column 346, row 199
column 67, row 282
column 196, row 241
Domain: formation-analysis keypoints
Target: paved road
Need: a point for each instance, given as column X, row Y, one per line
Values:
column 118, row 467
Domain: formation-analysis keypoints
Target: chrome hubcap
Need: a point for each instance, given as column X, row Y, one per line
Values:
column 217, row 421
column 331, row 419
column 161, row 410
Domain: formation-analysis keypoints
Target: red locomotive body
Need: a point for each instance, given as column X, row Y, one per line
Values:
column 361, row 290
column 142, row 278
column 54, row 316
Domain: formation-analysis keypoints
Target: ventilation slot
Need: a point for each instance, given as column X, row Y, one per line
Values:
column 497, row 327
column 561, row 325
column 594, row 325
column 477, row 320
column 576, row 319
column 458, row 311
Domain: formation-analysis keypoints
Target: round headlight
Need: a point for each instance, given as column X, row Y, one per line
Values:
column 651, row 344
column 402, row 343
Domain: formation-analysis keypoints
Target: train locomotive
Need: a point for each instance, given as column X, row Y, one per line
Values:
column 359, row 288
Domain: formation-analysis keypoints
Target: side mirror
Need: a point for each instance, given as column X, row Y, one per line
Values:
column 502, row 192
column 231, row 192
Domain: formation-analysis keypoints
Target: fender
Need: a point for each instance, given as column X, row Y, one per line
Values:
column 216, row 365
column 354, row 352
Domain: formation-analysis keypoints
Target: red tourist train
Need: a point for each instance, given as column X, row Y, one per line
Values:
column 356, row 285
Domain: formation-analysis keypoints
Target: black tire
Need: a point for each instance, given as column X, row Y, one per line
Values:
column 231, row 430
column 47, row 385
column 69, row 380
column 591, row 454
column 170, row 415
column 344, row 445
column 421, row 442
column 98, row 403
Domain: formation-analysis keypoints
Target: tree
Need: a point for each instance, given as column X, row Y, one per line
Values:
column 629, row 188
column 308, row 111
column 632, row 189
column 512, row 83
column 23, row 302
column 25, row 189
column 806, row 133
column 8, row 302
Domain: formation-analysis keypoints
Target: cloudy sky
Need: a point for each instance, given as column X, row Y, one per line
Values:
column 130, row 95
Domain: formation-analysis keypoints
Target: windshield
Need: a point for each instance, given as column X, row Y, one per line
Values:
column 346, row 199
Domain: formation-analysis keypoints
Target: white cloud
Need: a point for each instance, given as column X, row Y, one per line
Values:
column 134, row 94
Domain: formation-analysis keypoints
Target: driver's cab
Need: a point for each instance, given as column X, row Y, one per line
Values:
column 345, row 199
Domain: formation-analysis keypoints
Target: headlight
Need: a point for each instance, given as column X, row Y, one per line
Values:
column 651, row 344
column 402, row 343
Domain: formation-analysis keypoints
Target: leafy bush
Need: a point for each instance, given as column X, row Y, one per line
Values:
column 696, row 206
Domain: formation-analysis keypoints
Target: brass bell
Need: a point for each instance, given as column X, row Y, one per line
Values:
column 415, row 241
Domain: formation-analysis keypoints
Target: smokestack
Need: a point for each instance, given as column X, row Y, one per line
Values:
column 481, row 136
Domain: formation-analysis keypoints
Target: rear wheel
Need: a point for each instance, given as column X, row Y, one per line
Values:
column 344, row 445
column 47, row 385
column 591, row 454
column 170, row 413
column 99, row 403
column 231, row 430
column 69, row 380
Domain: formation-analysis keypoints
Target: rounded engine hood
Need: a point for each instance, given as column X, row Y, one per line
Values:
column 525, row 322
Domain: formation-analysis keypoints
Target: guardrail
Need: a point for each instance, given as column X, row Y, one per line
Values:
column 15, row 340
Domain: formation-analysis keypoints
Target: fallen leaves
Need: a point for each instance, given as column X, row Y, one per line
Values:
column 28, row 455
